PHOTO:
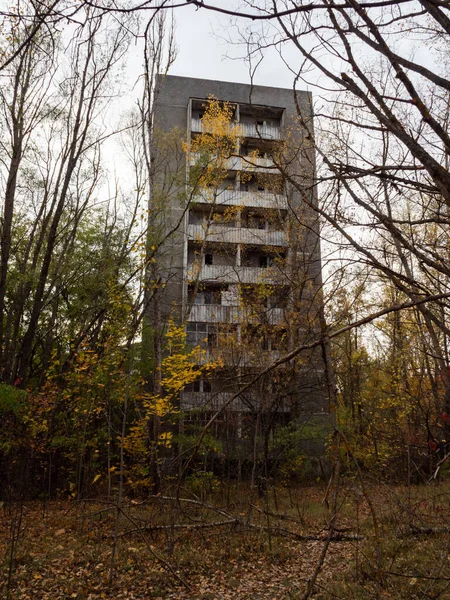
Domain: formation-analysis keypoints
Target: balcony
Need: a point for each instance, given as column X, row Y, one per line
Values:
column 271, row 316
column 213, row 401
column 252, row 199
column 233, row 163
column 215, row 313
column 258, row 164
column 234, row 274
column 219, row 313
column 196, row 125
column 210, row 401
column 226, row 234
column 250, row 130
column 264, row 132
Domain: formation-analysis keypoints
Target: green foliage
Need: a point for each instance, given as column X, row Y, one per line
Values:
column 12, row 399
column 88, row 269
column 289, row 447
column 202, row 484
column 186, row 441
column 14, row 432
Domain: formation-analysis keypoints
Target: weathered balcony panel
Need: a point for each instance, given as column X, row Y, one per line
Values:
column 218, row 313
column 215, row 313
column 210, row 401
column 234, row 274
column 251, row 199
column 237, row 235
column 233, row 163
column 252, row 130
column 258, row 164
column 265, row 132
column 213, row 401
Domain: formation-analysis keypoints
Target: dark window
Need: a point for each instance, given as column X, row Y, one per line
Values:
column 260, row 123
column 197, row 333
column 208, row 259
column 191, row 338
column 212, row 296
column 261, row 188
column 212, row 338
column 263, row 262
column 206, row 385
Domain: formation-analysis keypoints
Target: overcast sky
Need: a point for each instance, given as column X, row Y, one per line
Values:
column 203, row 49
column 201, row 37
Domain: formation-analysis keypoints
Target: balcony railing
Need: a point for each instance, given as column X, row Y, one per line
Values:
column 265, row 132
column 258, row 164
column 215, row 313
column 219, row 313
column 251, row 130
column 253, row 199
column 213, row 401
column 234, row 274
column 196, row 125
column 226, row 234
column 210, row 401
column 234, row 163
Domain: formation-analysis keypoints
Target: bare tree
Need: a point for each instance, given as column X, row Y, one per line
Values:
column 52, row 124
column 24, row 102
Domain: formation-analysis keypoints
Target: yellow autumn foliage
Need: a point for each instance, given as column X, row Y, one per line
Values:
column 180, row 367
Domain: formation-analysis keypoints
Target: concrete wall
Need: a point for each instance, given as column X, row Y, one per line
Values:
column 171, row 111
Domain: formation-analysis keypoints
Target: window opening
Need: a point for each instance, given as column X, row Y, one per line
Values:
column 212, row 338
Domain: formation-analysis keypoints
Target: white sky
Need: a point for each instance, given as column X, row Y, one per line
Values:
column 201, row 40
column 201, row 37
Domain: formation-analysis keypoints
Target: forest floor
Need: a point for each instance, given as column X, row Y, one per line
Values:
column 385, row 542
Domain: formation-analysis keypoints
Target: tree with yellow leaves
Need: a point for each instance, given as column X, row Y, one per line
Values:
column 152, row 431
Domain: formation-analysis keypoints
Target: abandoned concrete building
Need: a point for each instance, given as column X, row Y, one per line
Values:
column 242, row 267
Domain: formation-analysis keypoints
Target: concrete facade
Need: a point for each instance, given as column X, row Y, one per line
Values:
column 246, row 266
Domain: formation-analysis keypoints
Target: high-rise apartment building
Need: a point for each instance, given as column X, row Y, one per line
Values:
column 241, row 267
